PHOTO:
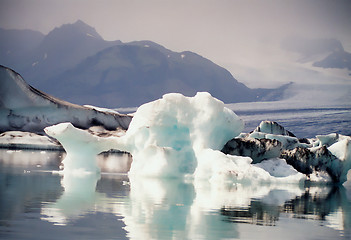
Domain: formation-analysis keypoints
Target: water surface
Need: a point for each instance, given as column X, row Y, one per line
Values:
column 36, row 203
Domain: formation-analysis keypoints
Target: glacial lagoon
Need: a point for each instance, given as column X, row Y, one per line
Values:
column 38, row 203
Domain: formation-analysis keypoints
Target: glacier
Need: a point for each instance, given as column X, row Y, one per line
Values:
column 24, row 108
column 183, row 137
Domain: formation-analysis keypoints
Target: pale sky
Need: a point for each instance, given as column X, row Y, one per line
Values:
column 241, row 35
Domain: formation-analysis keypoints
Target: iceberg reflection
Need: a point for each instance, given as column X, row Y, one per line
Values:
column 79, row 197
column 177, row 209
column 181, row 209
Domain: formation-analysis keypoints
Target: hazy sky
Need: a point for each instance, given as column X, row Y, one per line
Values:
column 243, row 36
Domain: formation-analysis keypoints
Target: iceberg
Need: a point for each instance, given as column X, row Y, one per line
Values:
column 175, row 136
column 324, row 158
column 199, row 138
column 24, row 108
column 163, row 137
column 273, row 128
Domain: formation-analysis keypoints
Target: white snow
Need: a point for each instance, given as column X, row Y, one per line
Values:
column 100, row 109
column 90, row 35
column 27, row 140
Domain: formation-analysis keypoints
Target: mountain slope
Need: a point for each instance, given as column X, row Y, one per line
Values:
column 73, row 62
column 17, row 44
column 61, row 49
column 337, row 59
column 324, row 53
column 132, row 74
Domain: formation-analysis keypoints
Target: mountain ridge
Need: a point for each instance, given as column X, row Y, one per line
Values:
column 332, row 52
column 74, row 62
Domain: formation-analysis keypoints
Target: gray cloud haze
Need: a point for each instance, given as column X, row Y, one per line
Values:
column 242, row 36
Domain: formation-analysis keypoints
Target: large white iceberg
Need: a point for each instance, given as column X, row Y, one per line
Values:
column 163, row 137
column 175, row 136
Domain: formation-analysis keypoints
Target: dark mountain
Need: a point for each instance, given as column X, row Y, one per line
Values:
column 132, row 74
column 308, row 47
column 334, row 54
column 337, row 59
column 60, row 50
column 73, row 62
column 16, row 44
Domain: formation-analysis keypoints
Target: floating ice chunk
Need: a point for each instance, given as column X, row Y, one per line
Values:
column 81, row 147
column 273, row 128
column 318, row 162
column 342, row 150
column 329, row 139
column 278, row 168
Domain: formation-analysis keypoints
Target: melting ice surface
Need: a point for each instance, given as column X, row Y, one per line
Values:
column 175, row 136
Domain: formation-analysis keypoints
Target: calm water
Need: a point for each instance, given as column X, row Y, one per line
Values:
column 304, row 120
column 36, row 203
